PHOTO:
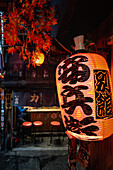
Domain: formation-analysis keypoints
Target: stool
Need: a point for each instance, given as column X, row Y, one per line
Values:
column 37, row 124
column 26, row 129
column 55, row 124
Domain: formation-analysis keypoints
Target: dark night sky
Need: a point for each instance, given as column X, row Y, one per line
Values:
column 78, row 17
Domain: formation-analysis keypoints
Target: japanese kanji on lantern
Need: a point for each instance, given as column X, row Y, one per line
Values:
column 85, row 96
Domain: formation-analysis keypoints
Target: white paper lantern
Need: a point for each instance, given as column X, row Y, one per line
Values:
column 85, row 96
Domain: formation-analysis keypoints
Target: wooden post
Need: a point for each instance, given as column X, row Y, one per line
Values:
column 9, row 121
column 101, row 156
column 96, row 155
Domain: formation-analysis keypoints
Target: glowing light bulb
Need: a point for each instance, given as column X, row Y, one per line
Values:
column 40, row 59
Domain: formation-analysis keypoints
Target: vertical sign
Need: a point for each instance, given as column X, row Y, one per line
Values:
column 8, row 101
column 83, row 155
column 2, row 118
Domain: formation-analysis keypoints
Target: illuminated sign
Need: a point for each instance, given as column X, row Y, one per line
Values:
column 84, row 91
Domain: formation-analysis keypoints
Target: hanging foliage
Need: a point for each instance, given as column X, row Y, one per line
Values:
column 27, row 28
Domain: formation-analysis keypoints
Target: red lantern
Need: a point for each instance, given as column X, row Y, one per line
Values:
column 85, row 96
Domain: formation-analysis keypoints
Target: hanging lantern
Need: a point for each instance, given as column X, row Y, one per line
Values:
column 39, row 58
column 85, row 96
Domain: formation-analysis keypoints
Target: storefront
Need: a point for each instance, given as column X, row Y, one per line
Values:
column 21, row 106
column 33, row 89
column 35, row 105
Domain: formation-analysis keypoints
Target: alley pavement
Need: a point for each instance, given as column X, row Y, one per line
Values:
column 38, row 156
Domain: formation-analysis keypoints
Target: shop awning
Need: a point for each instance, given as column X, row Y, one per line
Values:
column 37, row 98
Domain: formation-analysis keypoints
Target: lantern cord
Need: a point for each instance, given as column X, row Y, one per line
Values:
column 63, row 46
